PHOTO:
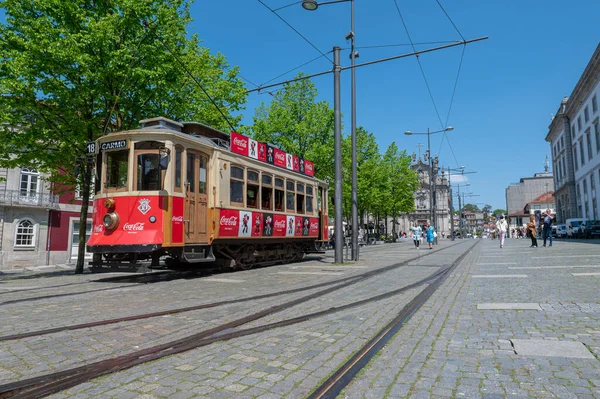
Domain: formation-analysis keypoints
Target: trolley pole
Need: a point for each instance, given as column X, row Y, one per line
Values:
column 339, row 230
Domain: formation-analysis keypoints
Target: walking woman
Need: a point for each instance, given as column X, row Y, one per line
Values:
column 501, row 228
column 532, row 231
column 416, row 230
column 430, row 235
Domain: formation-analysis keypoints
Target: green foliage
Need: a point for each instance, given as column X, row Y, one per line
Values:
column 471, row 208
column 498, row 212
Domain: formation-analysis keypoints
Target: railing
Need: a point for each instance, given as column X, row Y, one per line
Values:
column 16, row 197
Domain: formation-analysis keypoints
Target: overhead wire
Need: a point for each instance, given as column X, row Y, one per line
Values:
column 295, row 30
column 402, row 44
column 450, row 19
column 291, row 70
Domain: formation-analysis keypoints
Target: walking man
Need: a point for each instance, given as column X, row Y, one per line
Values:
column 547, row 227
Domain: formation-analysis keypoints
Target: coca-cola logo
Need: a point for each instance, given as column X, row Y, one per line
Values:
column 308, row 167
column 314, row 225
column 139, row 226
column 240, row 142
column 229, row 221
column 177, row 219
column 280, row 224
column 98, row 228
column 279, row 156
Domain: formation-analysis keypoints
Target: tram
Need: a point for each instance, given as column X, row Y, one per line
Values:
column 193, row 197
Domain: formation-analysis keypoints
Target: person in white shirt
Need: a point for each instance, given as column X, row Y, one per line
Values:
column 501, row 227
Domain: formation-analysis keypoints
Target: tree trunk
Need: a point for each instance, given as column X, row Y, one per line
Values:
column 87, row 178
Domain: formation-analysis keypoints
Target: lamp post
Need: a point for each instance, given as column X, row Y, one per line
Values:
column 432, row 192
column 460, row 222
column 312, row 5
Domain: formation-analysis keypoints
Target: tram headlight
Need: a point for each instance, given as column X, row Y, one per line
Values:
column 110, row 220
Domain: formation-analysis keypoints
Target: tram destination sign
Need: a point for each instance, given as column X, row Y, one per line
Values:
column 93, row 147
column 248, row 147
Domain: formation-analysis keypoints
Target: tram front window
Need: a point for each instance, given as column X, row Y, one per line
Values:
column 148, row 172
column 116, row 170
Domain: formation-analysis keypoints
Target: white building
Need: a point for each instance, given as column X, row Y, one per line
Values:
column 574, row 137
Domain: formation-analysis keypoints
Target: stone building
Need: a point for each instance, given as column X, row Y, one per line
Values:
column 518, row 195
column 574, row 137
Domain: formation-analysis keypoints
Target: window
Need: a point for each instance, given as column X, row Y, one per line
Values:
column 191, row 164
column 252, row 190
column 309, row 199
column 29, row 186
column 586, row 114
column 279, row 194
column 290, row 196
column 116, row 170
column 581, row 152
column 25, row 234
column 236, row 186
column 573, row 130
column 588, row 139
column 575, row 156
column 178, row 171
column 578, row 123
column 266, row 193
column 597, row 134
column 148, row 172
column 300, row 198
column 594, row 104
column 202, row 176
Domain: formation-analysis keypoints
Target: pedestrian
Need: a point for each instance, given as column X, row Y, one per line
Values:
column 547, row 227
column 361, row 234
column 416, row 230
column 532, row 231
column 501, row 228
column 430, row 234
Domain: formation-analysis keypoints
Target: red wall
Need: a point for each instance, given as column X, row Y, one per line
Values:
column 59, row 229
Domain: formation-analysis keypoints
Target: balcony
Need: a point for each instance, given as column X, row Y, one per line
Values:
column 28, row 199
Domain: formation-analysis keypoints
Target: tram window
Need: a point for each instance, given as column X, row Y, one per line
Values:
column 148, row 172
column 236, row 186
column 309, row 199
column 300, row 198
column 266, row 192
column 116, row 170
column 279, row 194
column 289, row 196
column 190, row 180
column 202, row 177
column 178, row 171
column 252, row 190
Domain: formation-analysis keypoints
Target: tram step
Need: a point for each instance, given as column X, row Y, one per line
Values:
column 198, row 254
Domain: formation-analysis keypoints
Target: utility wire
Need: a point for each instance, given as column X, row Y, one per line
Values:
column 291, row 70
column 450, row 19
column 147, row 24
column 294, row 29
column 289, row 5
column 403, row 44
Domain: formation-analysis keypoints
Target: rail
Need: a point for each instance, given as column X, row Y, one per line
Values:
column 16, row 197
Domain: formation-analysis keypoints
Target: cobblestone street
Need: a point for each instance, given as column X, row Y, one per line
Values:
column 515, row 322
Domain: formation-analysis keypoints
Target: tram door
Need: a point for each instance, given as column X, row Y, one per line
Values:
column 196, row 199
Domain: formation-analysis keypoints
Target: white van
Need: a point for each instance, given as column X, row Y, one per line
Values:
column 573, row 226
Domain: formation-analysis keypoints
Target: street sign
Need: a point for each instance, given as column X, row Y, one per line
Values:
column 91, row 148
column 113, row 145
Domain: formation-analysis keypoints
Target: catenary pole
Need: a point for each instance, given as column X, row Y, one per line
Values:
column 339, row 231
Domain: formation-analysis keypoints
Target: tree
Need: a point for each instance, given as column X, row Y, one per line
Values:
column 498, row 212
column 73, row 71
column 298, row 124
column 471, row 208
column 487, row 209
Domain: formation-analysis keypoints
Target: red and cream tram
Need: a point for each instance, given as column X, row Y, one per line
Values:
column 193, row 195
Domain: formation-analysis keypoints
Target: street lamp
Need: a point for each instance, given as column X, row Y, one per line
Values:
column 312, row 5
column 460, row 223
column 432, row 201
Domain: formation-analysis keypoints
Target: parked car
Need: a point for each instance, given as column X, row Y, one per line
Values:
column 573, row 227
column 560, row 230
column 591, row 229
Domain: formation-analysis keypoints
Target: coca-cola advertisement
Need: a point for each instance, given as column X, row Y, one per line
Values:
column 279, row 225
column 229, row 223
column 257, row 224
column 296, row 163
column 270, row 154
column 314, row 228
column 289, row 231
column 133, row 227
column 239, row 144
column 289, row 161
column 298, row 230
column 305, row 227
column 253, row 148
column 301, row 166
column 245, row 228
column 309, row 168
column 177, row 220
column 262, row 152
column 268, row 225
column 279, row 157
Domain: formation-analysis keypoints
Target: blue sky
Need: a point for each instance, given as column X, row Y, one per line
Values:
column 508, row 88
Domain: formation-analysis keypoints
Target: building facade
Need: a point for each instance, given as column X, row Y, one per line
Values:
column 518, row 195
column 37, row 227
column 574, row 137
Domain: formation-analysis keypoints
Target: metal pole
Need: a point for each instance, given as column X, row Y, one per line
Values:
column 339, row 231
column 430, row 177
column 355, row 252
column 451, row 207
column 459, row 212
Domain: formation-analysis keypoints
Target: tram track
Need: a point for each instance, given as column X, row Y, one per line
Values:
column 51, row 383
column 73, row 327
